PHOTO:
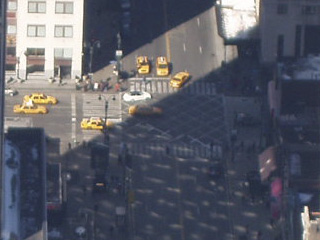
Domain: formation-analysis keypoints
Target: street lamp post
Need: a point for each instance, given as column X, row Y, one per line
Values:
column 105, row 132
column 91, row 50
column 26, row 53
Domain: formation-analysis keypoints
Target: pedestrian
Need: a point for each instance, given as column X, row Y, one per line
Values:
column 60, row 81
column 84, row 189
column 95, row 207
column 111, row 228
column 243, row 199
column 119, row 159
column 242, row 146
column 232, row 155
column 117, row 87
column 119, row 187
column 272, row 222
column 247, row 230
column 69, row 145
column 167, row 150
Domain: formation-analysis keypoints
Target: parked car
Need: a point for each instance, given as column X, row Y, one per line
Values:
column 10, row 91
column 136, row 96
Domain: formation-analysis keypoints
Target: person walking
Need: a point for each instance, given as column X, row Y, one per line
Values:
column 111, row 229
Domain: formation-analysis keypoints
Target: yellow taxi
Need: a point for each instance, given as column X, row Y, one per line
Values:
column 40, row 98
column 95, row 123
column 29, row 108
column 143, row 65
column 179, row 79
column 162, row 66
column 144, row 110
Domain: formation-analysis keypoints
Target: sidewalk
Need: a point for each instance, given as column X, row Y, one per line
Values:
column 251, row 215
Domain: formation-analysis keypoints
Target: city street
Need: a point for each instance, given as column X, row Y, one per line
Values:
column 166, row 188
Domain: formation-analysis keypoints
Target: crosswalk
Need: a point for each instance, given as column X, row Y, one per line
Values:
column 163, row 87
column 175, row 149
column 107, row 105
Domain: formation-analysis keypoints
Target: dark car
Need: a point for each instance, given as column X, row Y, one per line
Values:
column 215, row 170
column 99, row 182
column 10, row 91
column 245, row 119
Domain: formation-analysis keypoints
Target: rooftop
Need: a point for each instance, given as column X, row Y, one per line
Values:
column 24, row 205
column 239, row 19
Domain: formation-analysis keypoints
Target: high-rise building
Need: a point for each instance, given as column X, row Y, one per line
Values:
column 2, row 77
column 289, row 28
column 44, row 38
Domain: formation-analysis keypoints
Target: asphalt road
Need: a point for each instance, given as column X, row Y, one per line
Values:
column 174, row 197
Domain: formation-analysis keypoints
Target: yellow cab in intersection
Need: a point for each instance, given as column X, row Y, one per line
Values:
column 29, row 108
column 162, row 66
column 144, row 110
column 143, row 65
column 179, row 79
column 40, row 98
column 95, row 123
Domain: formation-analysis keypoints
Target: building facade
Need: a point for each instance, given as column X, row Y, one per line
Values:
column 289, row 29
column 44, row 38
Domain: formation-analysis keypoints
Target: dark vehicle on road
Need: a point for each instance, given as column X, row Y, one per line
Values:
column 246, row 120
column 100, row 157
column 215, row 170
column 99, row 182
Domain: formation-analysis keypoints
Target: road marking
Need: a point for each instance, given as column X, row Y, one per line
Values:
column 167, row 31
column 73, row 116
column 184, row 47
column 200, row 49
column 198, row 22
column 181, row 219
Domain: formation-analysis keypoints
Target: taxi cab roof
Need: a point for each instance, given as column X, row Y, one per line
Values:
column 95, row 119
column 162, row 60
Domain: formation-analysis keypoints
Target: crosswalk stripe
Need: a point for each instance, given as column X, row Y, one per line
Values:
column 163, row 86
column 177, row 150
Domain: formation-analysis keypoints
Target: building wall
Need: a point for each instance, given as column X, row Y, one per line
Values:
column 49, row 42
column 2, row 104
column 273, row 24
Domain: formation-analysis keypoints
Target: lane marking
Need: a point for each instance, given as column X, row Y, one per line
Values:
column 168, row 48
column 198, row 22
column 181, row 212
column 200, row 49
column 73, row 117
column 184, row 47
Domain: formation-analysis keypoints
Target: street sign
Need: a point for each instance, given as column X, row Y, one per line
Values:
column 119, row 53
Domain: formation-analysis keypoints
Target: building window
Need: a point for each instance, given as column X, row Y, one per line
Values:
column 12, row 5
column 282, row 8
column 36, row 30
column 12, row 29
column 63, row 31
column 36, row 7
column 309, row 10
column 63, row 52
column 64, row 7
column 35, row 51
